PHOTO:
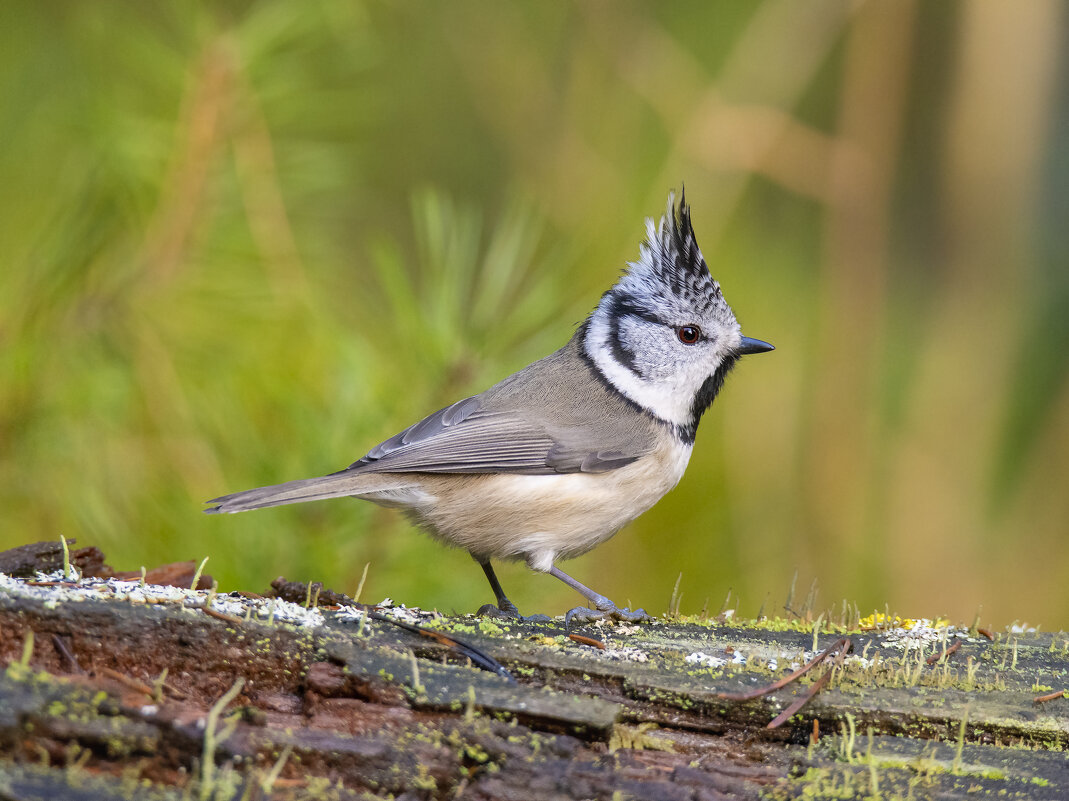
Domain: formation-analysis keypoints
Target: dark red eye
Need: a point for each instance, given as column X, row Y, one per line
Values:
column 689, row 334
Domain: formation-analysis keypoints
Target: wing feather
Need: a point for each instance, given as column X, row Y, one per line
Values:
column 466, row 438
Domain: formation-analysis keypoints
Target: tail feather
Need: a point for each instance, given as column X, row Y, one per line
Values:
column 305, row 489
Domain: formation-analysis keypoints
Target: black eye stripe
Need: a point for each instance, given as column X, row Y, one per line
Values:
column 626, row 307
column 621, row 306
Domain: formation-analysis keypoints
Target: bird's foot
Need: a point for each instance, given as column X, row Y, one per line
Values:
column 503, row 612
column 508, row 611
column 581, row 615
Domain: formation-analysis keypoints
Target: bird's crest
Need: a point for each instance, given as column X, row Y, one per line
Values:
column 671, row 269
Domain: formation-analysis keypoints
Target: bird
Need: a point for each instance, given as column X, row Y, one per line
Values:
column 556, row 458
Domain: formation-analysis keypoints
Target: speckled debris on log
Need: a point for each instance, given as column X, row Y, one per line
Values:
column 327, row 704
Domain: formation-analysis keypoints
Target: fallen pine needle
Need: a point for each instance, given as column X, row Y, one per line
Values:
column 1042, row 699
column 579, row 638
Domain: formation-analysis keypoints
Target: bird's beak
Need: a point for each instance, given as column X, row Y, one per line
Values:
column 751, row 345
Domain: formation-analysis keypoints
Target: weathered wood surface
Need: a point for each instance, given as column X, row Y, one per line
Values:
column 363, row 710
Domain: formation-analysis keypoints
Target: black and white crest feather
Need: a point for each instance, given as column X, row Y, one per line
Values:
column 671, row 276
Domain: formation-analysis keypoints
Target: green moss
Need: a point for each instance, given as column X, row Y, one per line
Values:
column 423, row 780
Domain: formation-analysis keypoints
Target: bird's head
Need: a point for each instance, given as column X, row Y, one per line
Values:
column 663, row 335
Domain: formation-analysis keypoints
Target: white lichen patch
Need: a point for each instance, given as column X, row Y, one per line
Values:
column 52, row 590
column 863, row 662
column 267, row 608
column 919, row 633
column 412, row 615
column 626, row 654
column 349, row 614
column 705, row 660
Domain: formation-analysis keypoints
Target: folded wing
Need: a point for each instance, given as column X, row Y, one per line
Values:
column 466, row 438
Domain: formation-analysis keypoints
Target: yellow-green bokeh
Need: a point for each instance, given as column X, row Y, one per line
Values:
column 241, row 243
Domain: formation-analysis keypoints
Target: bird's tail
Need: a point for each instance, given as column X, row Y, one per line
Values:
column 343, row 484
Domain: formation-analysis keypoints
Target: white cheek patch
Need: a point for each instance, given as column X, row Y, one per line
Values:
column 671, row 400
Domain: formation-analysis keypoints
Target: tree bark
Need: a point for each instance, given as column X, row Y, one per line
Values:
column 322, row 705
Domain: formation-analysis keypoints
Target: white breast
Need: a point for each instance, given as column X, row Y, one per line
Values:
column 541, row 518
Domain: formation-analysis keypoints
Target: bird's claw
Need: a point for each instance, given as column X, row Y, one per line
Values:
column 509, row 612
column 582, row 615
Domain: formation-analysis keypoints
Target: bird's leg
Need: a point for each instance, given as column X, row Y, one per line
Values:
column 603, row 607
column 505, row 608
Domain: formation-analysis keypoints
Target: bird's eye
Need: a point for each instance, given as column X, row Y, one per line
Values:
column 689, row 334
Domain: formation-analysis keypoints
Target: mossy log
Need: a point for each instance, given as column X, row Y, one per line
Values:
column 263, row 698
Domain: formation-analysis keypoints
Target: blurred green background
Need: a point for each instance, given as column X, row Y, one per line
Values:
column 241, row 243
